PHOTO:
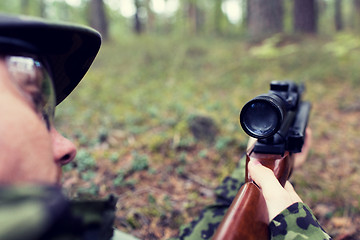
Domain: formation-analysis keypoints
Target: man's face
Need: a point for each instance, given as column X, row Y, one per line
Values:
column 31, row 151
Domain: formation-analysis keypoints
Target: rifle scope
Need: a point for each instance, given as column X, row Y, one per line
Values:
column 263, row 116
column 266, row 114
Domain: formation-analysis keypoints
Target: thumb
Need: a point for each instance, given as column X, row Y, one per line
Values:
column 265, row 178
column 291, row 191
column 276, row 197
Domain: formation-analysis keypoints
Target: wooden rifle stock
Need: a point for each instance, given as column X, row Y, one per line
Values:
column 248, row 218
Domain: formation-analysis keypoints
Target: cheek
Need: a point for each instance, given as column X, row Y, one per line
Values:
column 19, row 121
column 25, row 135
column 26, row 143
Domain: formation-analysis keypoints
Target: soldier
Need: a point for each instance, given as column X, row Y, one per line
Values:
column 40, row 64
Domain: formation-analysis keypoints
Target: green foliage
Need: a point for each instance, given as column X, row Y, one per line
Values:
column 186, row 142
column 119, row 179
column 151, row 199
column 82, row 139
column 182, row 158
column 103, row 134
column 68, row 167
column 157, row 141
column 180, row 170
column 88, row 175
column 271, row 49
column 203, row 153
column 343, row 45
column 223, row 142
column 88, row 192
column 139, row 162
column 85, row 161
column 114, row 157
column 133, row 220
column 131, row 182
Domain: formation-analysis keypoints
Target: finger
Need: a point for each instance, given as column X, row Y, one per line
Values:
column 251, row 142
column 308, row 137
column 291, row 191
column 276, row 197
column 265, row 178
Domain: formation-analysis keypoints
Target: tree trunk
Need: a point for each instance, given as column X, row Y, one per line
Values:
column 150, row 24
column 25, row 6
column 98, row 18
column 246, row 13
column 356, row 15
column 265, row 18
column 218, row 17
column 138, row 27
column 42, row 9
column 305, row 16
column 338, row 18
column 194, row 16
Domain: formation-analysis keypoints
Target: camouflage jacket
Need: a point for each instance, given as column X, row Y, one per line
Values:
column 39, row 212
column 295, row 222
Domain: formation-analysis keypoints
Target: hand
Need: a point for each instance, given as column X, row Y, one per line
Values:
column 276, row 197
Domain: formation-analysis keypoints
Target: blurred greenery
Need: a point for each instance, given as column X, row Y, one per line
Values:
column 140, row 93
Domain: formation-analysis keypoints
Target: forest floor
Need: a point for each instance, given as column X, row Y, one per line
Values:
column 135, row 140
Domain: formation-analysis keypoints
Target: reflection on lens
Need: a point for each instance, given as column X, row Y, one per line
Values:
column 260, row 118
column 34, row 82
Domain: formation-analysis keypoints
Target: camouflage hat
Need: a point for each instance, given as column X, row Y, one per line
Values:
column 69, row 50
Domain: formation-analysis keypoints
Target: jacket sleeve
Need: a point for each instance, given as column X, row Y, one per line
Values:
column 44, row 213
column 297, row 222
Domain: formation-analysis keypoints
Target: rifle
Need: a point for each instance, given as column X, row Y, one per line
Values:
column 278, row 121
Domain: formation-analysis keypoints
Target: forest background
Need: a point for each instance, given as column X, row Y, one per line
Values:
column 156, row 118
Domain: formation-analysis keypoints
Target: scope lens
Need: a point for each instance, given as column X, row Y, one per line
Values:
column 260, row 118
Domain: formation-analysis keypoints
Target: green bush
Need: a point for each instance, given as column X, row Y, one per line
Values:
column 84, row 161
column 139, row 162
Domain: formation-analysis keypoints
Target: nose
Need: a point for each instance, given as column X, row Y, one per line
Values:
column 64, row 149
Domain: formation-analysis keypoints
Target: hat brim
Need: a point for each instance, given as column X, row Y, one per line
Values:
column 68, row 49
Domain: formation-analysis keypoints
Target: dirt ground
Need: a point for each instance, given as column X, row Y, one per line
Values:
column 155, row 201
